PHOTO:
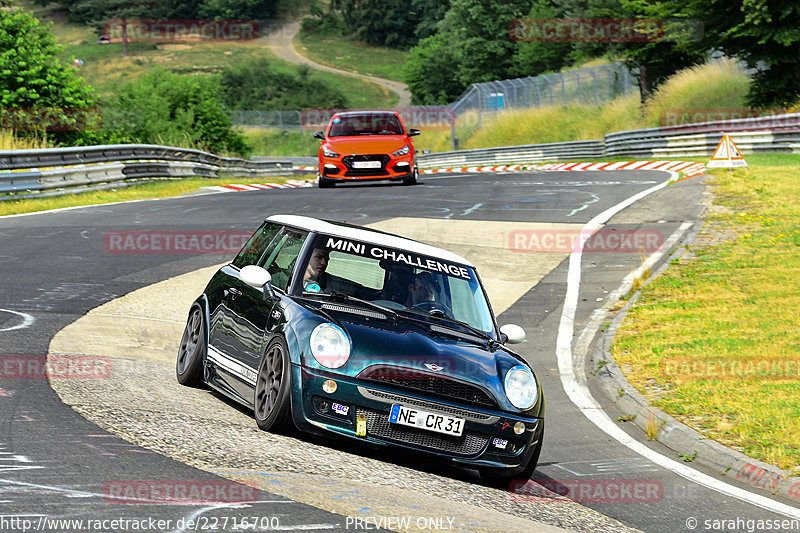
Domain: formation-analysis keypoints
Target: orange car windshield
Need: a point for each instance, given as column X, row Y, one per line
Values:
column 372, row 124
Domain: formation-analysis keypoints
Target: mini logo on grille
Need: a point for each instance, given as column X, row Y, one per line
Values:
column 433, row 366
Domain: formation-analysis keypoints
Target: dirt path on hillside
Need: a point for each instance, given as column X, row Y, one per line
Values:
column 280, row 42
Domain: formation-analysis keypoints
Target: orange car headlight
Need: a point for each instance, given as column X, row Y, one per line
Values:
column 402, row 151
column 328, row 153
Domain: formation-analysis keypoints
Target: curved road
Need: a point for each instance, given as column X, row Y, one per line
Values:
column 281, row 42
column 57, row 266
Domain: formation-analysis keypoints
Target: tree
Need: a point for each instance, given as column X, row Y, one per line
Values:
column 166, row 108
column 532, row 57
column 258, row 85
column 101, row 13
column 430, row 71
column 652, row 57
column 472, row 45
column 32, row 78
column 430, row 13
column 237, row 9
column 765, row 34
column 381, row 22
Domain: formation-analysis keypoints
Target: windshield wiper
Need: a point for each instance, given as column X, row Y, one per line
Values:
column 348, row 298
column 441, row 317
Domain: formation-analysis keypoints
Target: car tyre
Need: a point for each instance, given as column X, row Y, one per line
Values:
column 324, row 183
column 413, row 179
column 502, row 481
column 272, row 396
column 192, row 350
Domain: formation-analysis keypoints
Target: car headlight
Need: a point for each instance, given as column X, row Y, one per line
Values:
column 521, row 388
column 330, row 345
column 402, row 151
column 328, row 153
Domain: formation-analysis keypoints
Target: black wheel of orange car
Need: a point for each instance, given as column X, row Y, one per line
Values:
column 191, row 353
column 272, row 402
column 411, row 180
column 325, row 183
column 502, row 481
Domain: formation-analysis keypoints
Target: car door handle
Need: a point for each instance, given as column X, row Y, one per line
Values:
column 234, row 292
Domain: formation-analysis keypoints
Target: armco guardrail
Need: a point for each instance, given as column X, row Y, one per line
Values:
column 532, row 153
column 33, row 171
column 775, row 133
column 54, row 168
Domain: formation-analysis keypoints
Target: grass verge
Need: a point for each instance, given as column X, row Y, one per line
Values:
column 276, row 143
column 166, row 188
column 715, row 341
column 344, row 53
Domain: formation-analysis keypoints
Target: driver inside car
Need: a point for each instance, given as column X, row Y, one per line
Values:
column 423, row 288
column 317, row 279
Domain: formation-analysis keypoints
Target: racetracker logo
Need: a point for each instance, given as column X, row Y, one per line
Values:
column 587, row 490
column 178, row 492
column 175, row 242
column 159, row 31
column 50, row 119
column 607, row 240
column 604, row 30
column 55, row 367
column 422, row 117
column 729, row 118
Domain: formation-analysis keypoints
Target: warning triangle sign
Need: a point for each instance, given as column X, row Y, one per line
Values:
column 726, row 155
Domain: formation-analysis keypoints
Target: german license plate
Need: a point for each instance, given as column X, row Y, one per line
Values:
column 407, row 416
column 366, row 164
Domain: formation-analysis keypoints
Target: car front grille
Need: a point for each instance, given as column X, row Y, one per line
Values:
column 433, row 385
column 378, row 425
column 348, row 161
column 389, row 398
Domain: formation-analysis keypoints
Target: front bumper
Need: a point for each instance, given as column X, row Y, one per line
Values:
column 488, row 440
column 343, row 169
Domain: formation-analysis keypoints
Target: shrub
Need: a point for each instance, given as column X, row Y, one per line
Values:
column 258, row 85
column 166, row 108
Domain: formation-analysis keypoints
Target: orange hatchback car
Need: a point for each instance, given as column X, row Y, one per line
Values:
column 366, row 146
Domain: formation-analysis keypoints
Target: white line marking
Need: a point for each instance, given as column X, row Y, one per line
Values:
column 27, row 320
column 574, row 382
column 471, row 209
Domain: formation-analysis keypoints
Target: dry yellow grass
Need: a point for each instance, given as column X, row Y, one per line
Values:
column 721, row 85
column 715, row 341
column 556, row 123
column 724, row 87
column 9, row 141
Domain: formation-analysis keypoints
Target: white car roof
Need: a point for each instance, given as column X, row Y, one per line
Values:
column 370, row 236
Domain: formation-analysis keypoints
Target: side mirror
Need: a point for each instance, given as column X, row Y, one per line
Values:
column 413, row 131
column 319, row 135
column 258, row 278
column 513, row 334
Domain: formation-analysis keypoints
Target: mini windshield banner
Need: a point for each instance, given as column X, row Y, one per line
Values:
column 397, row 257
